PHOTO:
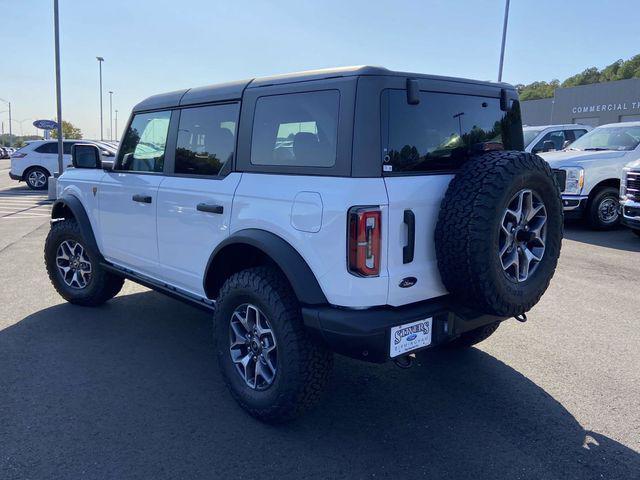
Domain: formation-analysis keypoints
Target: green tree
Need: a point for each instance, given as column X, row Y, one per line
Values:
column 69, row 131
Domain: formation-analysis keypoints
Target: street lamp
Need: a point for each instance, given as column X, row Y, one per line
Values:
column 116, row 126
column 56, row 22
column 100, row 60
column 8, row 103
column 504, row 39
column 110, row 115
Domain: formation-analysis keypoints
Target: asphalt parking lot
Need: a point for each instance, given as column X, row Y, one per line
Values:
column 130, row 390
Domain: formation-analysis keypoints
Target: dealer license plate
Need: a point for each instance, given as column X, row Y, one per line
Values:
column 410, row 336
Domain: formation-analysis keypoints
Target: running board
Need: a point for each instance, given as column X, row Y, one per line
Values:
column 201, row 303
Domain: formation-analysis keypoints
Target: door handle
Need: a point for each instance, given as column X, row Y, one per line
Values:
column 210, row 208
column 141, row 198
column 408, row 250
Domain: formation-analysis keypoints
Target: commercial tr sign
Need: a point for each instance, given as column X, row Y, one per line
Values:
column 606, row 107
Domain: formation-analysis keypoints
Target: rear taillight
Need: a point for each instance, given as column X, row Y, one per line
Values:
column 18, row 155
column 365, row 231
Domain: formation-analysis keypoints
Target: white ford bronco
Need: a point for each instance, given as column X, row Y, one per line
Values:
column 356, row 210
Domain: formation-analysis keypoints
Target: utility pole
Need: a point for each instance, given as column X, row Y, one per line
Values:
column 100, row 60
column 110, row 115
column 10, row 133
column 58, row 88
column 504, row 39
column 116, row 126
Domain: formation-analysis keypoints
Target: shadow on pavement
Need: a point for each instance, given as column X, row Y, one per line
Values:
column 131, row 390
column 620, row 239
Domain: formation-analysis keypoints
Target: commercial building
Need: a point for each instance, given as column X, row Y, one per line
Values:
column 594, row 105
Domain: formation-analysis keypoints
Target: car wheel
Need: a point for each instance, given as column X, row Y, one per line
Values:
column 271, row 365
column 37, row 178
column 603, row 212
column 74, row 269
column 499, row 232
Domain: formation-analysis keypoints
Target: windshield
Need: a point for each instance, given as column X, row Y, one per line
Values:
column 609, row 138
column 530, row 134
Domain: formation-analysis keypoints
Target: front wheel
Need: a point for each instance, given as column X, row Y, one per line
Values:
column 74, row 270
column 603, row 212
column 272, row 367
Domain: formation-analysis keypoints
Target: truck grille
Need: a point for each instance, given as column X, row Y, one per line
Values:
column 633, row 186
column 561, row 178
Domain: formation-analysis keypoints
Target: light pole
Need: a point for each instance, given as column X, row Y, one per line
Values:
column 116, row 127
column 100, row 60
column 504, row 38
column 110, row 115
column 8, row 103
column 58, row 93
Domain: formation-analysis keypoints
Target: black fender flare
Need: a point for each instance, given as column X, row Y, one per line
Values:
column 74, row 205
column 302, row 279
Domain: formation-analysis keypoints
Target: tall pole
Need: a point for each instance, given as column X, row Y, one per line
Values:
column 116, row 127
column 100, row 60
column 110, row 115
column 504, row 38
column 58, row 88
column 10, row 133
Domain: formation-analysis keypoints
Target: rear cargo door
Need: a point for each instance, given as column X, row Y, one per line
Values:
column 423, row 145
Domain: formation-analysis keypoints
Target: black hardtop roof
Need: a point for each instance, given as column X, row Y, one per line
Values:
column 233, row 90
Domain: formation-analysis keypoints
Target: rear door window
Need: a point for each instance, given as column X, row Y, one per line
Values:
column 298, row 129
column 206, row 139
column 443, row 130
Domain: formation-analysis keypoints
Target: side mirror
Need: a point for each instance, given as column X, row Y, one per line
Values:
column 548, row 146
column 85, row 155
column 566, row 144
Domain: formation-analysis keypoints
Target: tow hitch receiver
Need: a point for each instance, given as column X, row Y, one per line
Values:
column 406, row 361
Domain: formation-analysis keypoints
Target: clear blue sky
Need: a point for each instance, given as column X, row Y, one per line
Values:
column 152, row 46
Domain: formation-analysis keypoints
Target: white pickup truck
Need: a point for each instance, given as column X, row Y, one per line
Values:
column 589, row 172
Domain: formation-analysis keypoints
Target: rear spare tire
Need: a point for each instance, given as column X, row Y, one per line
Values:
column 499, row 232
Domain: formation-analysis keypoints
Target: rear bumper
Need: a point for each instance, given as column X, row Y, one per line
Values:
column 365, row 334
column 13, row 176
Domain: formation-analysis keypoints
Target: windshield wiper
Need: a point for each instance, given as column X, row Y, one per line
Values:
column 596, row 149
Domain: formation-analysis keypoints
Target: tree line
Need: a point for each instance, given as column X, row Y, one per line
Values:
column 618, row 70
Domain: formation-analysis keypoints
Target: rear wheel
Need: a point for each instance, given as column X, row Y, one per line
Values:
column 603, row 209
column 37, row 178
column 74, row 270
column 273, row 369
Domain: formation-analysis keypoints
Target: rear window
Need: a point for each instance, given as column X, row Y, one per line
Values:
column 52, row 147
column 298, row 129
column 443, row 130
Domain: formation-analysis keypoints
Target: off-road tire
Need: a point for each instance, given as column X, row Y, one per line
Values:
column 468, row 229
column 102, row 286
column 31, row 170
column 303, row 365
column 469, row 339
column 594, row 220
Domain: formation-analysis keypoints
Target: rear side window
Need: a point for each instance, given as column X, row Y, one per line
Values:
column 443, row 130
column 298, row 129
column 50, row 147
column 206, row 139
column 143, row 146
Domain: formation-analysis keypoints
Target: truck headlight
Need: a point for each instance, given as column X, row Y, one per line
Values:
column 623, row 184
column 575, row 180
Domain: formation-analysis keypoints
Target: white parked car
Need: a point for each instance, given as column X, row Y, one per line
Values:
column 38, row 160
column 630, row 196
column 546, row 138
column 282, row 206
column 589, row 172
